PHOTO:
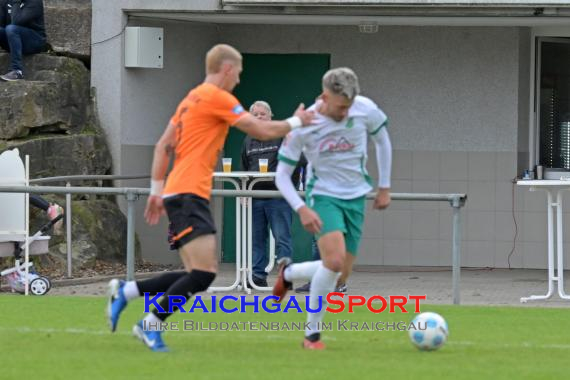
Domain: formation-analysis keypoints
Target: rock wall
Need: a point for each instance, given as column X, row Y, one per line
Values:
column 68, row 27
column 54, row 98
column 50, row 116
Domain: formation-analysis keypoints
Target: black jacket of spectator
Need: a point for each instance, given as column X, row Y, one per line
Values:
column 253, row 150
column 26, row 13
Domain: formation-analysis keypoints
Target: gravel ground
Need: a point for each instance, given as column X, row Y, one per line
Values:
column 478, row 286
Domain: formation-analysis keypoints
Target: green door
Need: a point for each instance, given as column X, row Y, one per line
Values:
column 284, row 81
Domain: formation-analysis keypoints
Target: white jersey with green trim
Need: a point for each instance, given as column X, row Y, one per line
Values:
column 336, row 151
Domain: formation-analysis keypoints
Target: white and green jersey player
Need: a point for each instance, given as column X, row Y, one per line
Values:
column 337, row 156
column 336, row 149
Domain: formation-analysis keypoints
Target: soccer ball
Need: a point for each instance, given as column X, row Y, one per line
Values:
column 430, row 332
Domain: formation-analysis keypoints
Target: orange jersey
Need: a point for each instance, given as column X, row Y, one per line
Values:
column 202, row 123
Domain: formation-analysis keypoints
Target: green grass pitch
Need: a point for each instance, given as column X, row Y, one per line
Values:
column 67, row 338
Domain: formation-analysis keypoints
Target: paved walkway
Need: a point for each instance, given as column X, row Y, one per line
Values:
column 478, row 287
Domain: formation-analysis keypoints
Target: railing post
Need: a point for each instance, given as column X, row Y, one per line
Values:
column 131, row 199
column 456, row 203
column 68, row 230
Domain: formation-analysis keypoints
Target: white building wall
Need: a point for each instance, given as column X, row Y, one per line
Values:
column 457, row 98
column 452, row 96
column 150, row 98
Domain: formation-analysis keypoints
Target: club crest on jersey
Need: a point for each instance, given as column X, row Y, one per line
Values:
column 237, row 109
column 332, row 145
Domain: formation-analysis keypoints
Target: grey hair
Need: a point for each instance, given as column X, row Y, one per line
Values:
column 341, row 81
column 263, row 104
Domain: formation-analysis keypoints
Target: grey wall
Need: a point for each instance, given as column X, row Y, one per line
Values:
column 444, row 88
column 152, row 95
column 136, row 159
column 150, row 99
column 524, row 93
column 106, row 72
column 457, row 98
column 107, row 69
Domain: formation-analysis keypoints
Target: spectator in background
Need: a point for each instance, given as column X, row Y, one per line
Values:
column 267, row 212
column 52, row 210
column 22, row 31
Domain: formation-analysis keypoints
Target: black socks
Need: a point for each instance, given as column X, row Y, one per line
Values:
column 185, row 286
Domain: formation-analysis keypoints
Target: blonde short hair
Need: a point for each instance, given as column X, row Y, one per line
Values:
column 342, row 81
column 217, row 55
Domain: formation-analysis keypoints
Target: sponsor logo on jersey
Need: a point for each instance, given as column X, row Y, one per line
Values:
column 332, row 145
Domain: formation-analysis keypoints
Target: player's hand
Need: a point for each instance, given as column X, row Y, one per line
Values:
column 154, row 209
column 305, row 116
column 310, row 220
column 382, row 199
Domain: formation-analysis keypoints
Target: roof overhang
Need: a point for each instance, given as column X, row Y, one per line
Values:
column 381, row 12
column 349, row 19
column 400, row 3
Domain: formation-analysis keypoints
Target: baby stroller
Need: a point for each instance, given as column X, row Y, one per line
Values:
column 16, row 276
column 14, row 221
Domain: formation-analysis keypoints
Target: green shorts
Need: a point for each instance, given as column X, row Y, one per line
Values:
column 345, row 215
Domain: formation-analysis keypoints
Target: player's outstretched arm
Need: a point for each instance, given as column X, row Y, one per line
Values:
column 269, row 130
column 384, row 161
column 309, row 219
column 162, row 151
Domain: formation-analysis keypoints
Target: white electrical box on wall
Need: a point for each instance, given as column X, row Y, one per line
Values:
column 144, row 47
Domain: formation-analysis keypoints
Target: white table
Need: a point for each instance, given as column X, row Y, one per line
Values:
column 255, row 178
column 244, row 267
column 554, row 189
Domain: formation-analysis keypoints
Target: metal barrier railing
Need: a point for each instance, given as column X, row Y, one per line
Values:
column 70, row 178
column 132, row 194
column 68, row 214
